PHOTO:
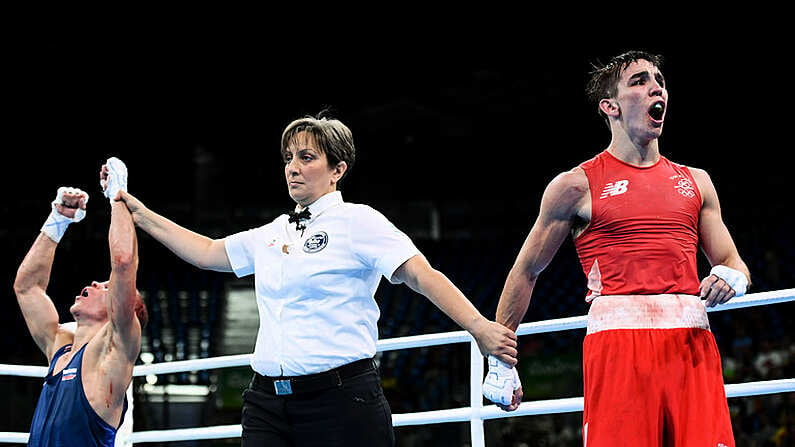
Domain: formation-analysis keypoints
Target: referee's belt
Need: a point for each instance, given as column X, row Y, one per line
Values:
column 333, row 378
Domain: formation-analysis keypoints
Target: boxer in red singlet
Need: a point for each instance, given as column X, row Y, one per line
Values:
column 652, row 371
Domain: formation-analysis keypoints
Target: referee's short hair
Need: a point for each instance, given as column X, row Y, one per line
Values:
column 332, row 137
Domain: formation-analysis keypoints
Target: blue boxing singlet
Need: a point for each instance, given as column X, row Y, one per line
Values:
column 63, row 416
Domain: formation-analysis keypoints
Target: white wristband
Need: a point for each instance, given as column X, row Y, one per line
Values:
column 734, row 278
column 56, row 224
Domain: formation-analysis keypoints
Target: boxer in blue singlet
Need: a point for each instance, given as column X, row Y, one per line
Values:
column 83, row 400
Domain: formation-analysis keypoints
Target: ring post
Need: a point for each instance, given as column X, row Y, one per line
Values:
column 476, row 394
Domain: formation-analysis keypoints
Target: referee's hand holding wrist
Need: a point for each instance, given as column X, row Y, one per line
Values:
column 496, row 340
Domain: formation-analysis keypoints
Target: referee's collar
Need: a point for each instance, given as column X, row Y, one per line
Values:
column 322, row 204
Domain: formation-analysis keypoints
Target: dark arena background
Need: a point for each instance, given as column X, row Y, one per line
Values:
column 457, row 135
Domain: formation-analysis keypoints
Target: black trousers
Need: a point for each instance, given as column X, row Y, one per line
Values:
column 347, row 410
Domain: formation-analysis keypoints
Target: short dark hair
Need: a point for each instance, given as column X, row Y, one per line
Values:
column 603, row 82
column 332, row 137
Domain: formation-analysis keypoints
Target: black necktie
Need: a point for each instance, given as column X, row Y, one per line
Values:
column 298, row 217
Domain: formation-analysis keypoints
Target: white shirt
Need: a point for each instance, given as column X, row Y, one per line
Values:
column 315, row 292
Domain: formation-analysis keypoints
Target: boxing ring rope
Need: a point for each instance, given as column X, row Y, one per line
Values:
column 475, row 414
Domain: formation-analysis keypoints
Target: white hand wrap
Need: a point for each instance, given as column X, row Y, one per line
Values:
column 500, row 382
column 734, row 278
column 117, row 178
column 55, row 225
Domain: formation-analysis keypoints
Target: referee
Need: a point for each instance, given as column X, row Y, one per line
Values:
column 316, row 271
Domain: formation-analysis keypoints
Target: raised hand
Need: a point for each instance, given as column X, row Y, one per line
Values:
column 69, row 206
column 113, row 178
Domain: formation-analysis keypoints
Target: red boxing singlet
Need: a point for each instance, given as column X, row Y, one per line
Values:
column 643, row 235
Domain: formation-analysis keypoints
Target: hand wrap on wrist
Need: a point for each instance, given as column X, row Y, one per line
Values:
column 55, row 225
column 500, row 382
column 734, row 278
column 117, row 178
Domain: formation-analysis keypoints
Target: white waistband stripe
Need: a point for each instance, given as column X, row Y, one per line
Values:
column 646, row 312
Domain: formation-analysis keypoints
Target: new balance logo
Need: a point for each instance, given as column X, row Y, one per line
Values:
column 614, row 189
